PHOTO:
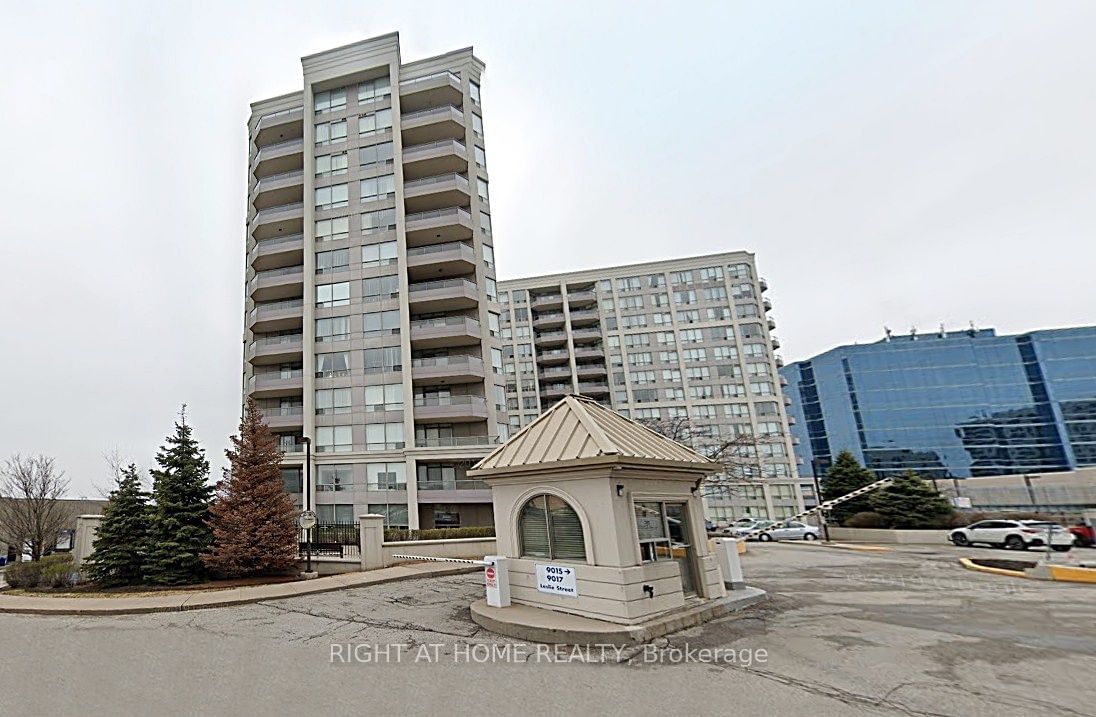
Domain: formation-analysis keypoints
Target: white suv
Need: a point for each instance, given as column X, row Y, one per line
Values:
column 1013, row 534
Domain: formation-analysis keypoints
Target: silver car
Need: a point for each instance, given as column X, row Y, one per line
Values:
column 793, row 530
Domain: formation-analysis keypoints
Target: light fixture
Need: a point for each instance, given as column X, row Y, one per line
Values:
column 620, row 490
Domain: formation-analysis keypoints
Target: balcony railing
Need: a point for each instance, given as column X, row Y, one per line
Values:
column 554, row 352
column 276, row 340
column 282, row 410
column 452, row 441
column 277, row 306
column 268, row 377
column 437, row 248
column 264, row 244
column 409, row 84
column 280, row 209
column 458, row 484
column 283, row 271
column 442, row 284
column 421, row 401
column 292, row 174
column 436, row 179
column 551, row 334
column 445, row 361
column 444, row 321
column 444, row 109
column 436, row 144
column 439, row 214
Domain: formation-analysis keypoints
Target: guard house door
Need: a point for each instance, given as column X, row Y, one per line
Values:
column 665, row 534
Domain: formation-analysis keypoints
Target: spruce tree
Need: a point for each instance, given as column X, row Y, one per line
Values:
column 910, row 502
column 178, row 528
column 122, row 539
column 843, row 477
column 252, row 517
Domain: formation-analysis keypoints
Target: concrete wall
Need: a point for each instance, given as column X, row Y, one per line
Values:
column 872, row 535
column 473, row 548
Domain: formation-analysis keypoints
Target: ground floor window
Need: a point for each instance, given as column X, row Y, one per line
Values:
column 336, row 513
column 395, row 515
column 550, row 528
column 446, row 516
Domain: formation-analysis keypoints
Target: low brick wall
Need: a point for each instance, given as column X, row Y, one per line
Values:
column 901, row 537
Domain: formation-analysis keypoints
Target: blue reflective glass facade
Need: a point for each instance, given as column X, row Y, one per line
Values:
column 964, row 404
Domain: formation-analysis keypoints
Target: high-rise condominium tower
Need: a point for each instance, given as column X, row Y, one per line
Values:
column 370, row 285
column 683, row 344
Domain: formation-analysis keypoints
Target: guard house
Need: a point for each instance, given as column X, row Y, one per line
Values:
column 601, row 516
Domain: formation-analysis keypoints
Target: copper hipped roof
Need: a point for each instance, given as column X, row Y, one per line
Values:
column 579, row 428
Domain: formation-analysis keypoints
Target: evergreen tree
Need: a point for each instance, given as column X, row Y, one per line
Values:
column 253, row 519
column 178, row 529
column 122, row 539
column 843, row 477
column 909, row 502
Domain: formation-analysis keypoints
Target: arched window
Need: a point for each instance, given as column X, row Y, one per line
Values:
column 550, row 528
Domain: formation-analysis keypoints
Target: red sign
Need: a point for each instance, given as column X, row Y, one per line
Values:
column 490, row 572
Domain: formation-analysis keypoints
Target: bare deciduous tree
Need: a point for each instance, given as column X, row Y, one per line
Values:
column 739, row 455
column 31, row 512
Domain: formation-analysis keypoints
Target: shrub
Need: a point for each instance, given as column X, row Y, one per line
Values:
column 52, row 571
column 867, row 519
column 402, row 534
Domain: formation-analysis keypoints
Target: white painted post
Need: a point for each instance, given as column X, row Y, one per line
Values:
column 371, row 540
column 497, row 578
column 83, row 543
column 726, row 549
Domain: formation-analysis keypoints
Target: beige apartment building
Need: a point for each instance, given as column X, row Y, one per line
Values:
column 370, row 285
column 684, row 345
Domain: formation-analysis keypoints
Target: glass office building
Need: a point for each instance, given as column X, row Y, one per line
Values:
column 950, row 405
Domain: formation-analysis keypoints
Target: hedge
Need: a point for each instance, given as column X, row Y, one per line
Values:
column 52, row 571
column 393, row 535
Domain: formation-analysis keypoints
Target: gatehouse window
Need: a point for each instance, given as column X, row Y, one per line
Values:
column 550, row 528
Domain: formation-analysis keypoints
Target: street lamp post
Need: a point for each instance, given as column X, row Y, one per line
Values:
column 308, row 502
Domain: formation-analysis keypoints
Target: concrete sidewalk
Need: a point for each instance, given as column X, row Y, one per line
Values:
column 198, row 600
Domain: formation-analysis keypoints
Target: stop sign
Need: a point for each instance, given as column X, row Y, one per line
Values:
column 490, row 572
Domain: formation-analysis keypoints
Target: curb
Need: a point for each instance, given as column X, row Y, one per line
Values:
column 971, row 565
column 217, row 599
column 836, row 546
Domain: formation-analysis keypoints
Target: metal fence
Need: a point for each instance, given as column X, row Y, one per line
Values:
column 340, row 540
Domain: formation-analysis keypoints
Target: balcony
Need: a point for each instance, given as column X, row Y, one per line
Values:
column 284, row 416
column 581, row 298
column 438, row 226
column 779, row 360
column 551, row 338
column 546, row 320
column 589, row 351
column 277, row 316
column 278, row 158
column 555, row 372
column 591, row 369
column 451, row 409
column 791, row 420
column 432, row 124
column 440, row 260
column 275, row 349
column 546, row 301
column 429, row 159
column 276, row 253
column 553, row 356
column 772, row 323
column 286, row 282
column 444, row 190
column 276, row 384
column 284, row 219
column 763, row 284
column 783, row 381
column 443, row 295
column 280, row 126
column 556, row 391
column 775, row 342
column 593, row 388
column 455, row 441
column 440, row 88
column 767, row 304
column 447, row 370
column 585, row 334
column 446, row 331
column 278, row 189
column 584, row 317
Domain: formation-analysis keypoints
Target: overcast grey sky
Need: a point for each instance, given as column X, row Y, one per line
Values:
column 889, row 162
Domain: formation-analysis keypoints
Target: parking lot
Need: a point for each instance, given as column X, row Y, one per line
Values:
column 844, row 633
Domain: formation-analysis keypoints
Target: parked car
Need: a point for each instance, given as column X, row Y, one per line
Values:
column 743, row 526
column 1084, row 535
column 793, row 530
column 1013, row 534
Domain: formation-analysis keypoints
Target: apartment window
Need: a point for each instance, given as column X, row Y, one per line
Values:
column 381, row 254
column 629, row 283
column 681, row 278
column 676, row 412
column 378, row 323
column 645, row 395
column 671, row 375
column 689, row 317
column 328, row 132
column 332, row 400
column 758, row 369
column 330, row 100
column 381, row 220
column 383, row 360
column 729, row 371
column 761, row 388
column 375, row 154
column 674, row 394
column 485, row 222
column 667, row 356
column 386, row 397
column 751, row 331
column 331, row 164
column 715, row 293
column 374, row 89
column 605, row 285
column 384, row 287
column 711, row 273
column 665, row 337
column 383, row 436
column 704, row 412
column 768, row 428
column 699, row 373
column 633, row 340
column 691, row 336
column 754, row 350
column 732, row 390
column 474, row 91
column 477, row 125
column 291, row 479
column 491, row 288
column 736, row 410
column 660, row 300
column 739, row 271
column 336, row 328
column 742, row 291
column 631, row 302
column 634, row 321
column 339, row 514
column 694, row 355
column 481, row 187
column 489, row 256
column 481, row 157
column 700, row 392
column 655, row 281
column 385, row 476
column 685, row 297
column 663, row 319
column 718, row 313
column 379, row 121
column 332, row 229
column 747, row 311
column 332, row 261
column 328, row 295
column 334, row 439
column 725, row 353
column 496, row 360
column 376, row 188
column 643, row 376
column 331, row 197
column 336, row 363
column 640, row 359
